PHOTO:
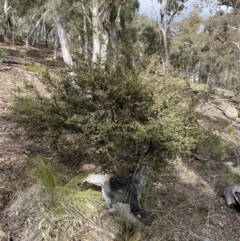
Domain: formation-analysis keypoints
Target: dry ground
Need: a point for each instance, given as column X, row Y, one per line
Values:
column 190, row 193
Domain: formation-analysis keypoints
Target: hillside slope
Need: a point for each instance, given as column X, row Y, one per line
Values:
column 188, row 194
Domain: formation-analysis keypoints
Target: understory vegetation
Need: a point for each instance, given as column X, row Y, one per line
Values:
column 113, row 117
column 108, row 88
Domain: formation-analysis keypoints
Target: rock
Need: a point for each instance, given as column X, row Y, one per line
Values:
column 2, row 235
column 237, row 120
column 230, row 111
column 158, row 204
column 227, row 164
column 229, row 193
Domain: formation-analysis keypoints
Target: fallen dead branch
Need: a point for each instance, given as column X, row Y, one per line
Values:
column 15, row 60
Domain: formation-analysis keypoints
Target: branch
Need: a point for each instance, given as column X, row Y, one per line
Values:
column 234, row 28
column 82, row 11
column 171, row 17
column 106, row 8
column 117, row 20
column 104, row 18
column 9, row 8
column 176, row 11
column 238, row 45
column 20, row 61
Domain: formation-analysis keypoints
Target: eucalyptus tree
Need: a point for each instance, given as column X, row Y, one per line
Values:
column 125, row 36
column 105, row 18
column 186, row 45
column 218, row 56
column 224, row 38
column 31, row 17
column 7, row 21
column 62, row 35
column 41, row 16
column 168, row 10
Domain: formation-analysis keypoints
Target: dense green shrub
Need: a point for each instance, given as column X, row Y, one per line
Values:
column 111, row 116
column 216, row 146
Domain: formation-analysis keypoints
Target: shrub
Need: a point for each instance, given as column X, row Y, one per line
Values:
column 111, row 116
column 215, row 146
column 22, row 54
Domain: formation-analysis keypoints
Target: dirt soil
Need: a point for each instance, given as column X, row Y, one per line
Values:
column 189, row 194
column 15, row 146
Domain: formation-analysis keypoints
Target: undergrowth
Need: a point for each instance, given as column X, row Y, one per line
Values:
column 57, row 210
column 217, row 148
column 113, row 117
column 65, row 210
column 37, row 69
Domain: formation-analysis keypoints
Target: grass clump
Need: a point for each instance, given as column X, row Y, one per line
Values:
column 231, row 178
column 37, row 69
column 44, row 174
column 22, row 54
column 55, row 210
column 68, row 194
column 217, row 147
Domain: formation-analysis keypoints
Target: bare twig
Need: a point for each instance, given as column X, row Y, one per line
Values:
column 236, row 44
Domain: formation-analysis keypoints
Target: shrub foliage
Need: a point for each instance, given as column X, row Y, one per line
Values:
column 112, row 116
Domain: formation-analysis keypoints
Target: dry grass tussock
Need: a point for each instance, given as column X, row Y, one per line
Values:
column 64, row 212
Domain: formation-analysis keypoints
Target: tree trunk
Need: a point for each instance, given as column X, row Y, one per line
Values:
column 96, row 32
column 64, row 43
column 45, row 34
column 196, row 71
column 85, row 47
column 56, row 43
column 164, row 35
column 13, row 29
column 7, row 20
column 104, row 46
column 100, row 33
column 30, row 36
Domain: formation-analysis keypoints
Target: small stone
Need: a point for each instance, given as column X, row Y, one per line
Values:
column 237, row 120
column 158, row 204
column 231, row 112
column 3, row 234
column 228, row 163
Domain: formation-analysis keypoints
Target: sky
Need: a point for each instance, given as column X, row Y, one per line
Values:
column 151, row 8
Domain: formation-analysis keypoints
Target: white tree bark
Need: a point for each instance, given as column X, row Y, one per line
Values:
column 85, row 47
column 101, row 29
column 64, row 43
column 166, row 18
column 56, row 43
column 96, row 32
